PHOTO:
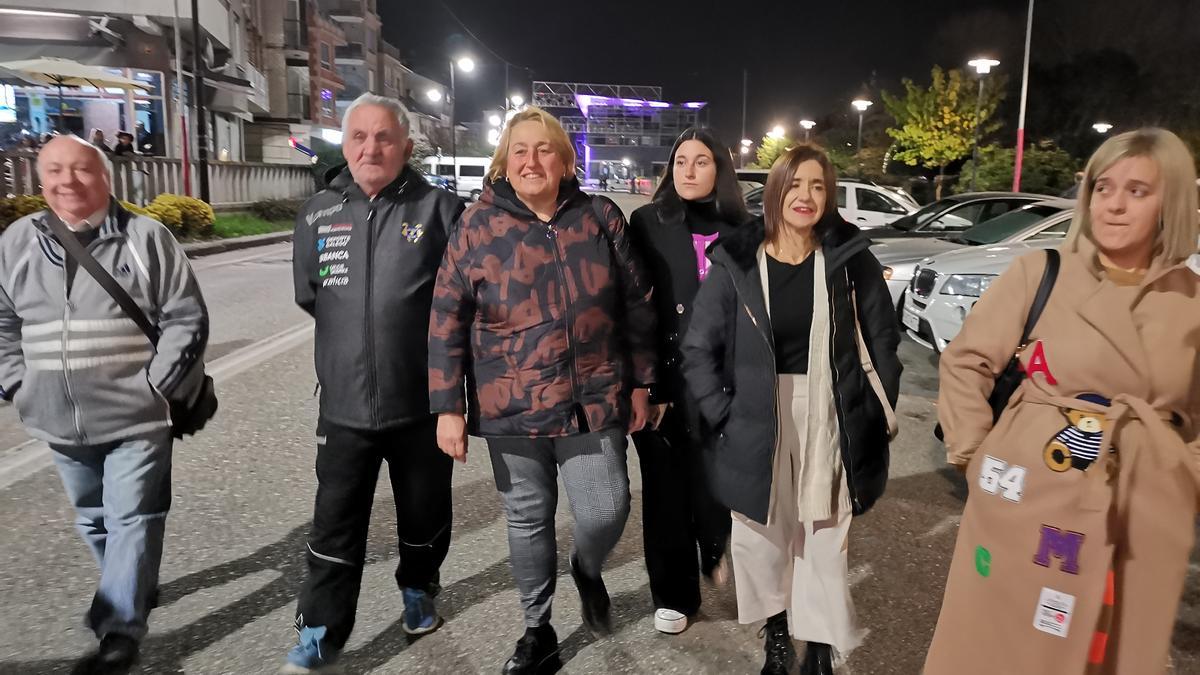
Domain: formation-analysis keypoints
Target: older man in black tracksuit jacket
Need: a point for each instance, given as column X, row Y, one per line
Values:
column 366, row 251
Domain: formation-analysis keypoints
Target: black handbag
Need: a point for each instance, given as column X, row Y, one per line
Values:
column 1010, row 378
column 187, row 417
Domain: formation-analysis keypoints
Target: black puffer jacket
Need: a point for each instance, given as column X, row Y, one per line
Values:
column 728, row 364
column 364, row 268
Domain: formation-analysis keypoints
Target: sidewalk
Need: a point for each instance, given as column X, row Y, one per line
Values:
column 203, row 248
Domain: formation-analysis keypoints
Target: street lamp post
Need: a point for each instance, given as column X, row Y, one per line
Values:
column 745, row 150
column 807, row 125
column 983, row 66
column 861, row 105
column 466, row 65
column 777, row 132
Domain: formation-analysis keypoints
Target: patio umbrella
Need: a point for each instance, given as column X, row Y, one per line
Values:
column 67, row 73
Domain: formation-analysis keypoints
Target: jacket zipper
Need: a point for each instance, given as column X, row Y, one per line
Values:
column 552, row 235
column 847, row 456
column 369, row 333
column 66, row 337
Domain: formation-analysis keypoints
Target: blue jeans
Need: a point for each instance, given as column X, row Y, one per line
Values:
column 121, row 493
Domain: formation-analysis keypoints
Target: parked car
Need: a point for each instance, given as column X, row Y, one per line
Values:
column 956, row 214
column 864, row 204
column 1048, row 219
column 471, row 170
column 946, row 287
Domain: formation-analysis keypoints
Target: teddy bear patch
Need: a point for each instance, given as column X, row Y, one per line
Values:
column 1078, row 444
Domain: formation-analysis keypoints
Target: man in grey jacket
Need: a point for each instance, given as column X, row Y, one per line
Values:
column 365, row 254
column 88, row 382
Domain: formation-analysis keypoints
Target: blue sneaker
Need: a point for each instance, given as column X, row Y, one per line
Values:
column 420, row 614
column 311, row 656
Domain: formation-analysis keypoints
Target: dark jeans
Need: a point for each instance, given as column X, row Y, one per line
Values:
column 348, row 462
column 680, row 518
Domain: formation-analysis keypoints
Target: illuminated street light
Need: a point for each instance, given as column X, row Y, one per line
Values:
column 983, row 66
column 861, row 105
column 1102, row 127
column 466, row 64
column 807, row 125
column 434, row 95
column 494, row 120
column 777, row 132
column 516, row 100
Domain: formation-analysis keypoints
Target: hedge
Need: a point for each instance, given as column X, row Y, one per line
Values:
column 184, row 216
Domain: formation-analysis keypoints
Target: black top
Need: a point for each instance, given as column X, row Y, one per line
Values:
column 791, row 289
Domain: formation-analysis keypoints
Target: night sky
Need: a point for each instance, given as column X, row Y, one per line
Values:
column 804, row 59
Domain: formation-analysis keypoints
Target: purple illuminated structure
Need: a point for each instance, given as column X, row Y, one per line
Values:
column 586, row 101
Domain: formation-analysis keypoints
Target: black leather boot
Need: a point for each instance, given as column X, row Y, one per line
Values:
column 818, row 660
column 536, row 653
column 777, row 643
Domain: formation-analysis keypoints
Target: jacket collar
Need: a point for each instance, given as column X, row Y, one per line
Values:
column 113, row 225
column 500, row 193
column 344, row 183
column 840, row 242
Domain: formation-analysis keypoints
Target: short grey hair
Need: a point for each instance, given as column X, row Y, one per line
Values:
column 104, row 160
column 396, row 107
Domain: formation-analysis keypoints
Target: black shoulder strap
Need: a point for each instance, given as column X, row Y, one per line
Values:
column 76, row 250
column 1043, row 294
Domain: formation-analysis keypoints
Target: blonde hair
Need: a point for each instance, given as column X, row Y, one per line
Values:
column 559, row 141
column 1179, row 223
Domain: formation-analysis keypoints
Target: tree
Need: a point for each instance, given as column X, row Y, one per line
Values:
column 1046, row 169
column 769, row 150
column 422, row 148
column 936, row 125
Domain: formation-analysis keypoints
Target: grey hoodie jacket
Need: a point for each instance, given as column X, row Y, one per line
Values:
column 78, row 369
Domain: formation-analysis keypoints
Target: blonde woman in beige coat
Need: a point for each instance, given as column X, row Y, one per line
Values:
column 1075, row 540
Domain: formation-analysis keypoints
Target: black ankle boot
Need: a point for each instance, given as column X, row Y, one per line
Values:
column 818, row 660
column 536, row 653
column 777, row 643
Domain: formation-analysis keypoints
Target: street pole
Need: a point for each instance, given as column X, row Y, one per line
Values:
column 975, row 148
column 198, row 96
column 1024, row 97
column 860, row 122
column 745, row 80
column 453, row 136
column 181, row 105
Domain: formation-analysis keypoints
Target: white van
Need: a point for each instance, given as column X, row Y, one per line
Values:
column 471, row 171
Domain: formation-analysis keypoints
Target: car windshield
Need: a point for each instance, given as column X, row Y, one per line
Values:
column 1002, row 227
column 924, row 215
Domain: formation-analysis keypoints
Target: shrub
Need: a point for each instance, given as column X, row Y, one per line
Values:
column 1046, row 169
column 14, row 208
column 184, row 216
column 272, row 210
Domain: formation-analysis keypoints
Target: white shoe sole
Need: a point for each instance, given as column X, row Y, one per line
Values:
column 293, row 669
column 670, row 627
column 423, row 631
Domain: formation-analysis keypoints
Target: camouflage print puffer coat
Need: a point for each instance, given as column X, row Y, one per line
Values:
column 550, row 323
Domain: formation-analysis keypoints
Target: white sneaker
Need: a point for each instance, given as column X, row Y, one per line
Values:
column 669, row 621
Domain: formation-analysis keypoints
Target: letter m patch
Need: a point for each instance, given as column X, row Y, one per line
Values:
column 1064, row 546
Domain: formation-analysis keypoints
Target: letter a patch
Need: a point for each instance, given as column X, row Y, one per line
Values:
column 1039, row 364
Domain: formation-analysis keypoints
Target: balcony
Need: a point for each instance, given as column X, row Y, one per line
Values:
column 344, row 11
column 350, row 55
column 260, row 98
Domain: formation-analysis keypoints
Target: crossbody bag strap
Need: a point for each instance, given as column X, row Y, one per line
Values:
column 1049, row 276
column 71, row 245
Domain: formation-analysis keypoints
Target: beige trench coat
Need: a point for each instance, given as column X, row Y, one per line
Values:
column 1051, row 511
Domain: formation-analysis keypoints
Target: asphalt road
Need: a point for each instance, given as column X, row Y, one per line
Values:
column 242, row 504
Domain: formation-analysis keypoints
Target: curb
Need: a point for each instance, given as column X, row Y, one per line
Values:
column 203, row 248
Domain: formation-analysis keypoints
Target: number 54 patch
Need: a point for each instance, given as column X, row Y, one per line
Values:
column 999, row 477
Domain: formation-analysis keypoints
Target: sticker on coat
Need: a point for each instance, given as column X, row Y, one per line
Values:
column 1062, row 545
column 1038, row 364
column 997, row 477
column 412, row 232
column 1078, row 444
column 1053, row 613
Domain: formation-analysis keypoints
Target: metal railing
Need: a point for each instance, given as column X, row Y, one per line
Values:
column 140, row 179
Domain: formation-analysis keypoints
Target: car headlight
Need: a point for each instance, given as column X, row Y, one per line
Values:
column 887, row 274
column 972, row 285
